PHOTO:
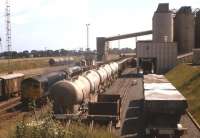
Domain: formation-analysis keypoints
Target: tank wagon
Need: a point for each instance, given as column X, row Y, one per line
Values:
column 74, row 71
column 82, row 92
column 163, row 107
column 10, row 85
column 61, row 61
column 72, row 92
column 37, row 87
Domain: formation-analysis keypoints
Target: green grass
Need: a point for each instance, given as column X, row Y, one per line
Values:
column 26, row 63
column 23, row 65
column 186, row 79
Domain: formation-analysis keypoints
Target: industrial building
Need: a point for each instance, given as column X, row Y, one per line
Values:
column 160, row 54
column 173, row 33
column 184, row 30
column 197, row 30
column 163, row 24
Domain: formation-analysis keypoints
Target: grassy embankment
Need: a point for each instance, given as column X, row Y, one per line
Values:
column 26, row 63
column 186, row 79
column 40, row 124
column 16, row 65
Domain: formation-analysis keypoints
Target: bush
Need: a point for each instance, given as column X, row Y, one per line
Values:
column 44, row 126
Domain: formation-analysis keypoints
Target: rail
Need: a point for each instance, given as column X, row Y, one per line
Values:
column 193, row 120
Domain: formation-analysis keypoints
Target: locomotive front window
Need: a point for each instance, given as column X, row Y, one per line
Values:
column 35, row 86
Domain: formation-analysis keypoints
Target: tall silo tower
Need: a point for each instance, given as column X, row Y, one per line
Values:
column 184, row 33
column 163, row 24
column 197, row 30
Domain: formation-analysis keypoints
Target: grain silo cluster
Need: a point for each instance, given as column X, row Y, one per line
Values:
column 184, row 29
column 159, row 54
column 174, row 33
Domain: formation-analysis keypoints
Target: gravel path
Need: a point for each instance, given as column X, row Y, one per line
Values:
column 192, row 132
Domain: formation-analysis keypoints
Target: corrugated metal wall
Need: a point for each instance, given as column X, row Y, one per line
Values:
column 165, row 53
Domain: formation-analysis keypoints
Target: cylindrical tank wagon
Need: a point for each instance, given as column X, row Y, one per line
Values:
column 103, row 77
column 67, row 95
column 61, row 61
column 94, row 80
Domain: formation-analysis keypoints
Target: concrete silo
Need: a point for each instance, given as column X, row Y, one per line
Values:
column 184, row 32
column 163, row 24
column 197, row 30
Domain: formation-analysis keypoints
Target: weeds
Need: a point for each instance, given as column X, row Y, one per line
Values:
column 42, row 125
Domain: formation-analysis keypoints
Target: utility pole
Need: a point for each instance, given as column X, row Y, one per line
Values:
column 87, row 26
column 8, row 34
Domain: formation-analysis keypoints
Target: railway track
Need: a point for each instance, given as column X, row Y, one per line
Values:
column 193, row 129
column 193, row 120
column 132, row 117
column 10, row 108
column 6, row 103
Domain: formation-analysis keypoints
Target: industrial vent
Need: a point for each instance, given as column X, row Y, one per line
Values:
column 163, row 7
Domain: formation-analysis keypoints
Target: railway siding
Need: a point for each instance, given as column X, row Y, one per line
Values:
column 192, row 129
column 130, row 87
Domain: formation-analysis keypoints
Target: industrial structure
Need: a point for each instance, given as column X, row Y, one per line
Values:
column 184, row 32
column 197, row 29
column 160, row 54
column 173, row 33
column 163, row 24
column 103, row 43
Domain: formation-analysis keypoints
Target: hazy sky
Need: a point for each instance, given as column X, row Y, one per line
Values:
column 57, row 24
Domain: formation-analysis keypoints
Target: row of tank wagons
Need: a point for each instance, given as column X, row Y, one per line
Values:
column 37, row 88
column 61, row 61
column 69, row 96
column 10, row 85
column 14, row 84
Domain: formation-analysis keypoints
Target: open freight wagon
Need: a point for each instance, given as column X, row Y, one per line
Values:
column 164, row 106
column 106, row 110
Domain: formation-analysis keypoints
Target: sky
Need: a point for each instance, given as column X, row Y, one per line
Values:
column 57, row 24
